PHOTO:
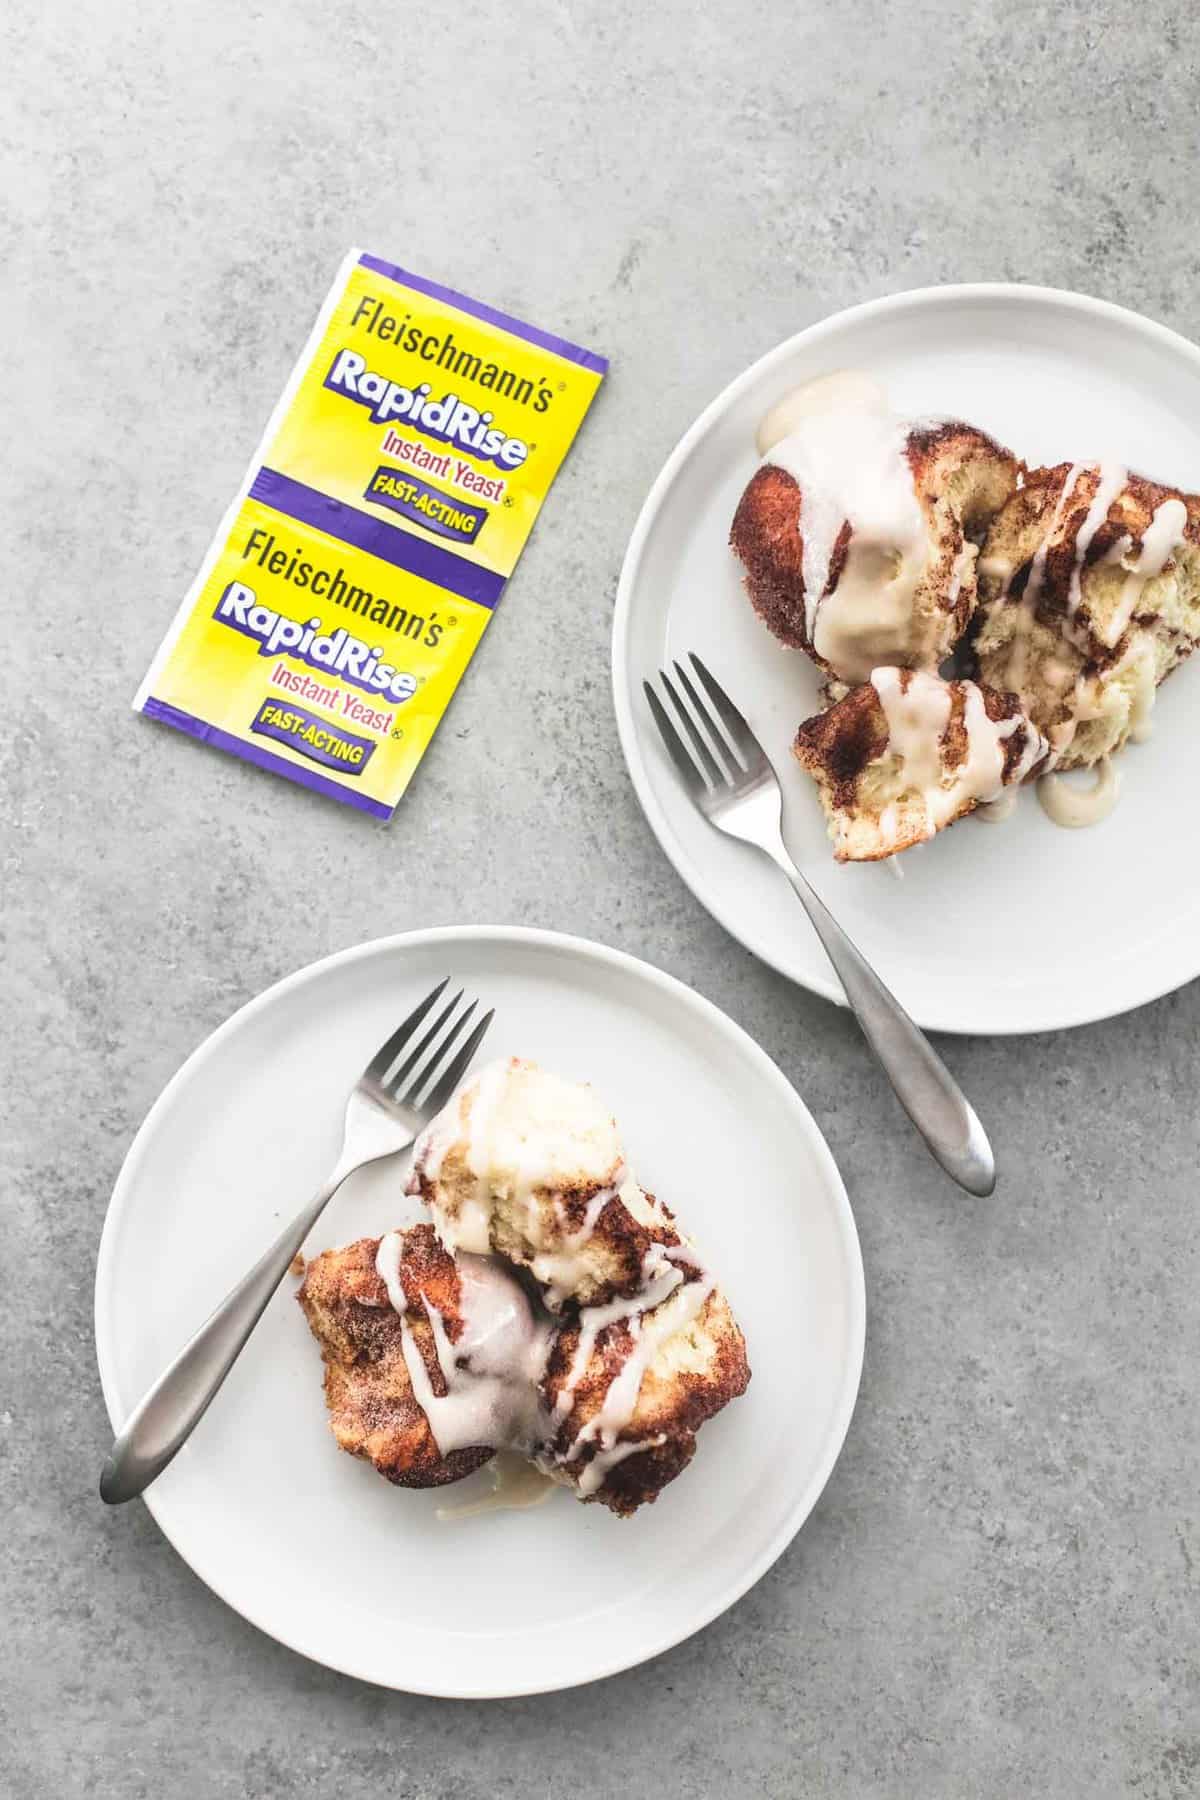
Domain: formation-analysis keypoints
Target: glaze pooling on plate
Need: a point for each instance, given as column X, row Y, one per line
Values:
column 842, row 390
column 516, row 1485
column 1074, row 806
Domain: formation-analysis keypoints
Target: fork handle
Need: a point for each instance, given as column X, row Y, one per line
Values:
column 165, row 1418
column 923, row 1084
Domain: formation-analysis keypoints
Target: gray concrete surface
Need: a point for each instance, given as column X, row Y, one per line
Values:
column 997, row 1593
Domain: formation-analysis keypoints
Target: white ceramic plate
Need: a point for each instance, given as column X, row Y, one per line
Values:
column 1019, row 927
column 315, row 1547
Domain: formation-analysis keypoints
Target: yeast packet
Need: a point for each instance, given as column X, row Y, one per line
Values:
column 355, row 573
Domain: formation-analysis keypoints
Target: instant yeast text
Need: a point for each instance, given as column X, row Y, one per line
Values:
column 388, row 502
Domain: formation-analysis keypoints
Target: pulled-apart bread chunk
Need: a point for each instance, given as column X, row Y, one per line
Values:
column 552, row 1308
column 859, row 533
column 368, row 1389
column 434, row 1362
column 905, row 754
column 531, row 1166
column 683, row 1358
column 1090, row 597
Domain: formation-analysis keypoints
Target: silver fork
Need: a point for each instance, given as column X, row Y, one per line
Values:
column 730, row 779
column 386, row 1110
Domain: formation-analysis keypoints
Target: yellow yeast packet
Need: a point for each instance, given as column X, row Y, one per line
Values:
column 355, row 573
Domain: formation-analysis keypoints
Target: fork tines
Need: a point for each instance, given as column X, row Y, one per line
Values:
column 409, row 1092
column 719, row 757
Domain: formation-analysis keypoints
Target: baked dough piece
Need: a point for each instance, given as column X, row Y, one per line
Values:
column 531, row 1167
column 688, row 1358
column 1090, row 598
column 368, row 1390
column 607, row 1401
column 859, row 532
column 903, row 755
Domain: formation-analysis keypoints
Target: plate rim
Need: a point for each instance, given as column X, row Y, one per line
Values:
column 915, row 299
column 588, row 950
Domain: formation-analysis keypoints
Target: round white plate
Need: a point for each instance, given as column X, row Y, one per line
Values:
column 315, row 1547
column 994, row 928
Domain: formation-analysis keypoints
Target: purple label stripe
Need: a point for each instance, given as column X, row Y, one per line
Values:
column 427, row 505
column 546, row 340
column 390, row 543
column 263, row 759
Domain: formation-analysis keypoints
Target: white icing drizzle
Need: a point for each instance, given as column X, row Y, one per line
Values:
column 1083, row 691
column 852, row 469
column 1162, row 538
column 480, row 1107
column 917, row 707
column 964, row 562
column 560, row 1270
column 595, row 1474
column 1015, row 674
column 1037, row 570
column 1111, row 478
column 387, row 1267
column 1013, row 671
column 997, row 568
column 660, row 1278
column 1073, row 806
column 491, row 1373
column 1163, row 535
column 662, row 1309
column 572, row 1240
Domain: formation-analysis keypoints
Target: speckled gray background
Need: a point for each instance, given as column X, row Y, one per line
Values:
column 997, row 1593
